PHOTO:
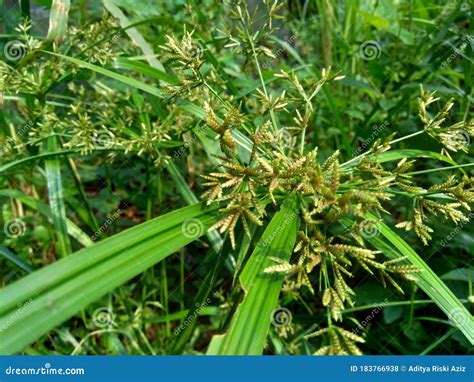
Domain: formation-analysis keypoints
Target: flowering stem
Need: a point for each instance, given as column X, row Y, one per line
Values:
column 254, row 53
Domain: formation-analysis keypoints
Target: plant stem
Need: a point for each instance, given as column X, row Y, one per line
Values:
column 390, row 143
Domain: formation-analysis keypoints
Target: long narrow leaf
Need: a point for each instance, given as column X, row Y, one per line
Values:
column 134, row 34
column 58, row 20
column 10, row 256
column 37, row 303
column 116, row 76
column 428, row 281
column 251, row 322
column 56, row 199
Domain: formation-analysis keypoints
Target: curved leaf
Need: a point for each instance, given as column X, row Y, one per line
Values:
column 251, row 322
column 37, row 303
column 428, row 281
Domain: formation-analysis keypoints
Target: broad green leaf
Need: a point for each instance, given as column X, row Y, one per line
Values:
column 25, row 8
column 395, row 155
column 428, row 281
column 58, row 20
column 251, row 323
column 37, row 303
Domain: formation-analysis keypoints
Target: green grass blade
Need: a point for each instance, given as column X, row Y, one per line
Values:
column 10, row 256
column 56, row 199
column 394, row 155
column 250, row 324
column 58, row 20
column 188, row 195
column 142, row 68
column 134, row 34
column 53, row 294
column 116, row 76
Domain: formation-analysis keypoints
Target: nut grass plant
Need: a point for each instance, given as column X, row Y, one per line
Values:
column 84, row 102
